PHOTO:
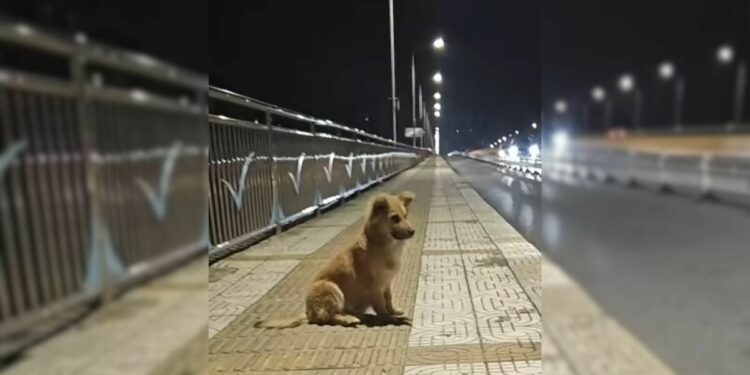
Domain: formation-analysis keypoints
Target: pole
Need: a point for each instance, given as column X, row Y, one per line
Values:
column 739, row 93
column 393, row 71
column 413, row 101
column 607, row 114
column 636, row 109
column 420, row 102
column 679, row 93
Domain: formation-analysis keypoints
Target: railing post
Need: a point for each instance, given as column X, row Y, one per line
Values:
column 88, row 151
column 316, row 182
column 274, row 173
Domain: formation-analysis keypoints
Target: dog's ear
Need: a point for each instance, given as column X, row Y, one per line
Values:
column 406, row 197
column 380, row 204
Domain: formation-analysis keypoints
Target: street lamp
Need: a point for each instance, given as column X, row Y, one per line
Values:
column 598, row 94
column 437, row 106
column 666, row 70
column 725, row 54
column 533, row 125
column 437, row 96
column 437, row 114
column 438, row 78
column 438, row 43
column 561, row 106
column 626, row 83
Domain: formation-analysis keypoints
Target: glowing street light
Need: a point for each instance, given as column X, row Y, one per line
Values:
column 534, row 150
column 598, row 93
column 533, row 125
column 725, row 54
column 437, row 96
column 516, row 132
column 437, row 114
column 438, row 43
column 437, row 106
column 561, row 106
column 504, row 139
column 666, row 70
column 438, row 78
column 626, row 83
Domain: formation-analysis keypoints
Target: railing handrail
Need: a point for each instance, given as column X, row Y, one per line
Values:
column 21, row 33
column 242, row 100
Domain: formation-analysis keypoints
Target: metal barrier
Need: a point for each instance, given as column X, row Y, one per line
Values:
column 103, row 164
column 701, row 174
column 526, row 167
column 270, row 166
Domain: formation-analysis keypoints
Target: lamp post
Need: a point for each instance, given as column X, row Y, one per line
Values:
column 725, row 54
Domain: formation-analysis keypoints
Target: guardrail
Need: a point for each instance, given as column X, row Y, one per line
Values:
column 103, row 163
column 526, row 167
column 704, row 175
column 270, row 166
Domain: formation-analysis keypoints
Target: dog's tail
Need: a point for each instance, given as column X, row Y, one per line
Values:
column 283, row 323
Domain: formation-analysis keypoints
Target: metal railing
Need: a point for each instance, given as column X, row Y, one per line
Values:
column 703, row 174
column 270, row 166
column 103, row 164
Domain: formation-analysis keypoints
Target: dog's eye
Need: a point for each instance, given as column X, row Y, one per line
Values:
column 396, row 218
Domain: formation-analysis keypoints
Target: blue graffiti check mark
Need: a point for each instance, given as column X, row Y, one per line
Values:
column 240, row 192
column 9, row 156
column 328, row 170
column 349, row 166
column 158, row 200
column 296, row 180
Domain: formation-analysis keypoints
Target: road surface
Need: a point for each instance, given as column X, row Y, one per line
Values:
column 673, row 271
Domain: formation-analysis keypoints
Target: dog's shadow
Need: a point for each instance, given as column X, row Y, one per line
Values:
column 372, row 320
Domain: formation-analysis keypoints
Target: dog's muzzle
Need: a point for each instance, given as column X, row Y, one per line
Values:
column 403, row 234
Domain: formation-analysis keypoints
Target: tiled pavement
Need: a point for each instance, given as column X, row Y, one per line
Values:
column 470, row 282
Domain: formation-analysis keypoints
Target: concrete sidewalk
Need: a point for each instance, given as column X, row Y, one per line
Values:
column 469, row 281
column 155, row 329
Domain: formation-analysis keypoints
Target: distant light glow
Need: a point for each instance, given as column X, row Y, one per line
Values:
column 561, row 106
column 666, row 70
column 437, row 77
column 437, row 106
column 725, row 54
column 516, row 132
column 534, row 150
column 533, row 125
column 513, row 152
column 504, row 139
column 437, row 114
column 598, row 93
column 437, row 96
column 438, row 43
column 437, row 141
column 626, row 83
column 560, row 141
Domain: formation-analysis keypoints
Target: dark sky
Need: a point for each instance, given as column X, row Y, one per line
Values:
column 505, row 62
column 172, row 30
column 331, row 59
column 588, row 42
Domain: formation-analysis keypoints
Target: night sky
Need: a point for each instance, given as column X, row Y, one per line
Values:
column 588, row 42
column 331, row 59
column 504, row 65
column 172, row 30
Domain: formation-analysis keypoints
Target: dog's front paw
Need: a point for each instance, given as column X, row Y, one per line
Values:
column 396, row 312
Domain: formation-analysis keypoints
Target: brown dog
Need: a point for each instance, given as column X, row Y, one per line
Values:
column 361, row 276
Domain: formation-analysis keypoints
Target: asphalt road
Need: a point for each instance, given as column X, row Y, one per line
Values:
column 674, row 272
